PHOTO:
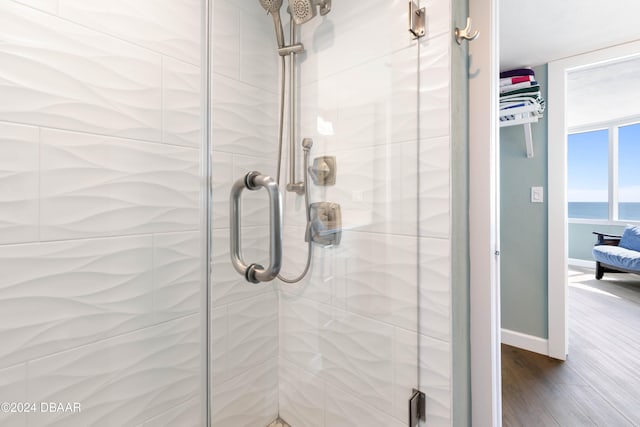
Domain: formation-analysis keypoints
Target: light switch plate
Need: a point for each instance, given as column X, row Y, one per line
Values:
column 537, row 195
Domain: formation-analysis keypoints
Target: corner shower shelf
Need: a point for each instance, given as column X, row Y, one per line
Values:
column 522, row 116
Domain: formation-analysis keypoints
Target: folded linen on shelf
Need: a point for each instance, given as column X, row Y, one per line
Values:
column 520, row 96
column 516, row 86
column 517, row 79
column 517, row 72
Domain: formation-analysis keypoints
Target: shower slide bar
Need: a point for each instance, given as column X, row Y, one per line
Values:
column 256, row 273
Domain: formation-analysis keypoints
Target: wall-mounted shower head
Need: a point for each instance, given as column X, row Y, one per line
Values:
column 304, row 10
column 273, row 8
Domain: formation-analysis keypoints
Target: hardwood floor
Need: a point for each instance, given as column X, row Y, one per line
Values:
column 599, row 384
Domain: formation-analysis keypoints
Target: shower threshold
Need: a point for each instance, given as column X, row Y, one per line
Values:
column 279, row 423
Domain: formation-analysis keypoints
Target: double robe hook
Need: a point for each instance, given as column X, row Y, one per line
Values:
column 465, row 33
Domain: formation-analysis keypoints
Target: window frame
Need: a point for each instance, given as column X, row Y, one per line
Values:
column 612, row 126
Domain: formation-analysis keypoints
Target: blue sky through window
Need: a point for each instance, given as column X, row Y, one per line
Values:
column 629, row 164
column 587, row 158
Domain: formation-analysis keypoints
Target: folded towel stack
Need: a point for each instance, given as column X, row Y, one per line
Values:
column 519, row 91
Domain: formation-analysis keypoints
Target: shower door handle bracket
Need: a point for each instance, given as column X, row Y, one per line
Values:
column 417, row 20
column 256, row 273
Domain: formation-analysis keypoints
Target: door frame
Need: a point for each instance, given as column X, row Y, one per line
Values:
column 557, row 165
column 486, row 395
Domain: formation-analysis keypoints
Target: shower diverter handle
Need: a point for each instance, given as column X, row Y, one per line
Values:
column 256, row 273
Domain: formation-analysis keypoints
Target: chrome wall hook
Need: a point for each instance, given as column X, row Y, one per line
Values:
column 465, row 34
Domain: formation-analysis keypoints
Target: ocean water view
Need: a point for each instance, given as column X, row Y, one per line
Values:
column 600, row 210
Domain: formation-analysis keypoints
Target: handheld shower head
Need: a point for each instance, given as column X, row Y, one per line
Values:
column 305, row 10
column 273, row 8
column 302, row 11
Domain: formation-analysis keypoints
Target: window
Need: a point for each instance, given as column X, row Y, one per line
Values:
column 587, row 175
column 629, row 172
column 602, row 173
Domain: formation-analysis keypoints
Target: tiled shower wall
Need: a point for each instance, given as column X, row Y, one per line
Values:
column 244, row 130
column 99, row 210
column 341, row 348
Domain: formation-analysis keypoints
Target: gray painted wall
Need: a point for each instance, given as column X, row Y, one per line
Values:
column 581, row 239
column 523, row 227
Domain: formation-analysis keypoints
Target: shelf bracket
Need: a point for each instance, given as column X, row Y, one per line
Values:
column 528, row 140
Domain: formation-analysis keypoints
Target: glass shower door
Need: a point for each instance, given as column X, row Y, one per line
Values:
column 347, row 344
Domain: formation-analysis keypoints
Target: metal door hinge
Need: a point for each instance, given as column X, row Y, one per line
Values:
column 417, row 408
column 417, row 20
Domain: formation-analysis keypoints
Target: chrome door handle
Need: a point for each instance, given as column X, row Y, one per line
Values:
column 256, row 273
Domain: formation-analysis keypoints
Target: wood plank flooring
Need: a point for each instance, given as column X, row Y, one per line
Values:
column 599, row 383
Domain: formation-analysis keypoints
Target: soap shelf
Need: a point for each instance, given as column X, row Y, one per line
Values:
column 522, row 116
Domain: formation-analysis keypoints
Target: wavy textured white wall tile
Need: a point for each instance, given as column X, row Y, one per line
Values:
column 358, row 357
column 301, row 323
column 435, row 380
column 301, row 401
column 435, row 87
column 13, row 388
column 435, row 187
column 121, row 381
column 58, row 74
column 225, row 43
column 218, row 343
column 248, row 400
column 97, row 186
column 345, row 410
column 259, row 60
column 376, row 188
column 381, row 277
column 222, row 178
column 344, row 349
column 166, row 26
column 176, row 275
column 19, row 147
column 405, row 367
column 50, row 6
column 59, row 295
column 252, row 333
column 244, row 118
column 364, row 30
column 185, row 415
column 181, row 99
column 377, row 102
column 228, row 285
column 435, row 288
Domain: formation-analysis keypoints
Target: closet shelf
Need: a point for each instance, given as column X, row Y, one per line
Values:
column 521, row 116
column 521, row 102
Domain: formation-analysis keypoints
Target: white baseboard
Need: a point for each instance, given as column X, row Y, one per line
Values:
column 582, row 263
column 524, row 341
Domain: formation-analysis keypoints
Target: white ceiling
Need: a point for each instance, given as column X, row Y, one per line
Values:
column 534, row 32
column 603, row 93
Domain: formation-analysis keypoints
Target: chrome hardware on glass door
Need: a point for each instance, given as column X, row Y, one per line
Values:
column 417, row 20
column 465, row 33
column 256, row 273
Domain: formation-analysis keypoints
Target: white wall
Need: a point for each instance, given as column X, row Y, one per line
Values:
column 99, row 210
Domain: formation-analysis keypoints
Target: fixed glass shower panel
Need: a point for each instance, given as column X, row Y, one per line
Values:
column 340, row 347
column 100, row 211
